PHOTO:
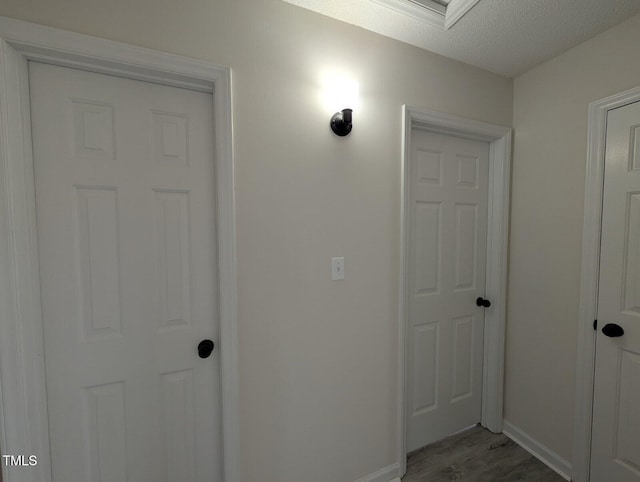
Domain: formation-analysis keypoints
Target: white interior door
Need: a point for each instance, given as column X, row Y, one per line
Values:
column 125, row 218
column 615, row 454
column 447, row 256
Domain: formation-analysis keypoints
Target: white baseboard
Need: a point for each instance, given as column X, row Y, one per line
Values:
column 390, row 473
column 541, row 452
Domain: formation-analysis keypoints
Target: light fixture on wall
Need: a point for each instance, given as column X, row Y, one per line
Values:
column 341, row 94
column 342, row 122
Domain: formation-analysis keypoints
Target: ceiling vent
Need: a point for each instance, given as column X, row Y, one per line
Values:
column 437, row 13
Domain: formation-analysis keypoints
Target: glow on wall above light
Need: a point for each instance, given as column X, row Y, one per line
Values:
column 339, row 92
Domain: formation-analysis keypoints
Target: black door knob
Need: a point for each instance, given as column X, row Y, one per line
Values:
column 482, row 302
column 205, row 347
column 612, row 330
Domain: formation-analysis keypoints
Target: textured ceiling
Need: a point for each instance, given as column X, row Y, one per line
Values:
column 507, row 37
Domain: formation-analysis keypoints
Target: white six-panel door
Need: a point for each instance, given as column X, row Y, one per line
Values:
column 125, row 217
column 615, row 453
column 448, row 232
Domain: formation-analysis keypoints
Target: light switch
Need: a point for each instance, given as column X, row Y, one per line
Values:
column 337, row 269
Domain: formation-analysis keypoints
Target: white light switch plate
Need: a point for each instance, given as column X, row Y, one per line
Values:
column 337, row 269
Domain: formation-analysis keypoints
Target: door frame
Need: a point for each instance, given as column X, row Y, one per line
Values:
column 23, row 409
column 499, row 139
column 590, row 268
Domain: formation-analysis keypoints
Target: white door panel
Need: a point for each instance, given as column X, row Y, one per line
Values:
column 448, row 232
column 616, row 418
column 125, row 216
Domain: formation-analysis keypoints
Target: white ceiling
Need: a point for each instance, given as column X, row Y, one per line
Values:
column 507, row 37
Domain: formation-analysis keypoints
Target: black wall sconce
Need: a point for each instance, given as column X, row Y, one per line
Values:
column 342, row 122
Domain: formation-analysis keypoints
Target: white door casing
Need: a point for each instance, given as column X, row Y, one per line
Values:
column 448, row 234
column 125, row 219
column 499, row 139
column 615, row 453
column 23, row 420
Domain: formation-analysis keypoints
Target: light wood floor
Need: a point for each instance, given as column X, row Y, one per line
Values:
column 476, row 455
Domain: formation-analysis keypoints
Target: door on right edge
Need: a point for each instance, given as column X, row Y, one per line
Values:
column 615, row 452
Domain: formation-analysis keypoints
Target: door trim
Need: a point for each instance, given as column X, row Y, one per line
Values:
column 590, row 267
column 499, row 139
column 23, row 410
